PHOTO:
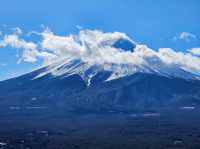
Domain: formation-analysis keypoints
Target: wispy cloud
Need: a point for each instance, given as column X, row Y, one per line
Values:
column 79, row 27
column 14, row 41
column 94, row 46
column 195, row 51
column 185, row 36
column 30, row 49
column 3, row 64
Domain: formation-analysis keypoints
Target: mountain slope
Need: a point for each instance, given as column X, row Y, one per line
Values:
column 136, row 91
column 93, row 83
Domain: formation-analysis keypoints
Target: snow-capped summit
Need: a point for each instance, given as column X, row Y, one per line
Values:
column 96, row 52
column 91, row 65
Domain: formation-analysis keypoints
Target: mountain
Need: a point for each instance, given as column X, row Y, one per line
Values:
column 73, row 83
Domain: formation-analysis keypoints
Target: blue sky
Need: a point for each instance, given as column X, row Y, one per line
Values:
column 156, row 23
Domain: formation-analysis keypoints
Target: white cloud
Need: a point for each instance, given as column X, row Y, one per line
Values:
column 32, row 55
column 30, row 52
column 180, row 59
column 60, row 45
column 14, row 41
column 94, row 46
column 3, row 64
column 195, row 51
column 186, row 36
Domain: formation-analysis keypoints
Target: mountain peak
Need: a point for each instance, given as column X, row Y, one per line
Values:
column 124, row 44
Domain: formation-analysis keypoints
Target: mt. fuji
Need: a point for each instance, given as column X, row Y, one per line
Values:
column 105, row 71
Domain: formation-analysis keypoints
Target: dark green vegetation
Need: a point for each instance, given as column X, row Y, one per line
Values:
column 35, row 129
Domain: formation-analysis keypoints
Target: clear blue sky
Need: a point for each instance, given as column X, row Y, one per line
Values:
column 153, row 22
